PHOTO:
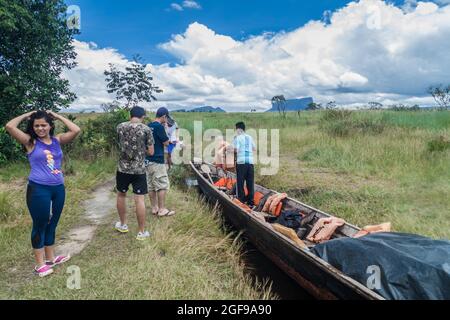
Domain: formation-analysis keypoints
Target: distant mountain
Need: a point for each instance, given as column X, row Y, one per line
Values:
column 294, row 104
column 202, row 109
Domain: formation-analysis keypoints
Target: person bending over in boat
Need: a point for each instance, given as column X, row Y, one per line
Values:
column 244, row 148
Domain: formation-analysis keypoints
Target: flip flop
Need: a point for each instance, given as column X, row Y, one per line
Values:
column 169, row 213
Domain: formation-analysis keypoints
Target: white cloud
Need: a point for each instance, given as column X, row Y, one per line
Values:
column 191, row 4
column 344, row 60
column 187, row 4
column 176, row 6
column 87, row 79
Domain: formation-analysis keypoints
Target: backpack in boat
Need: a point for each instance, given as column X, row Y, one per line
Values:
column 291, row 219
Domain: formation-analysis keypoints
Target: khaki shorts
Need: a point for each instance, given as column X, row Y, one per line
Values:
column 157, row 178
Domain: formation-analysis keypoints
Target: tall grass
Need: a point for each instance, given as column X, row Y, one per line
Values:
column 430, row 120
column 187, row 257
column 398, row 173
column 365, row 166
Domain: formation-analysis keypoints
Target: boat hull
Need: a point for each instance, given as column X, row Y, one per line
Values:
column 320, row 279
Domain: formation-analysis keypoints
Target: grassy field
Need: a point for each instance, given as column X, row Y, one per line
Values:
column 366, row 167
column 188, row 256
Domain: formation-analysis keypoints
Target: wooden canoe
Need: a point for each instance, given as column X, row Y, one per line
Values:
column 319, row 278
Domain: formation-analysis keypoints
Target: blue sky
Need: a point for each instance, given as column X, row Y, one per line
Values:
column 239, row 54
column 138, row 26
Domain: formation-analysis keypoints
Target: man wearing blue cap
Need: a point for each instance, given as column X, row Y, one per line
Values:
column 135, row 141
column 157, row 178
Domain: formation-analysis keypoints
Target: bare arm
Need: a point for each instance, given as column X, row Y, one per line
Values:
column 74, row 130
column 151, row 150
column 15, row 132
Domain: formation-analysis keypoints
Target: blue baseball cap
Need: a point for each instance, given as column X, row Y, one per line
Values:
column 162, row 112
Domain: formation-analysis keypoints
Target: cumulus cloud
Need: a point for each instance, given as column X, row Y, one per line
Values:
column 366, row 51
column 191, row 4
column 87, row 79
column 176, row 6
column 187, row 4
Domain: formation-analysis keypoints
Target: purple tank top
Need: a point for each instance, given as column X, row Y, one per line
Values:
column 45, row 162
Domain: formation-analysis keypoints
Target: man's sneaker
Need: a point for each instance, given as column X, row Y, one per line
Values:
column 43, row 271
column 122, row 228
column 143, row 235
column 58, row 260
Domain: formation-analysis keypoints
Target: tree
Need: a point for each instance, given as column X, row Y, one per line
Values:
column 375, row 105
column 441, row 95
column 110, row 107
column 280, row 103
column 134, row 85
column 35, row 47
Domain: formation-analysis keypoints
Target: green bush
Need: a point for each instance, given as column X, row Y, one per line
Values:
column 99, row 135
column 10, row 149
column 178, row 175
column 439, row 144
column 336, row 115
column 343, row 123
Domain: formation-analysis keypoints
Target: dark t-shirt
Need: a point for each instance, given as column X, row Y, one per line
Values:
column 160, row 136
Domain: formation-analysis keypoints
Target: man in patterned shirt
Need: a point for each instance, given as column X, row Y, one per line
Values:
column 135, row 142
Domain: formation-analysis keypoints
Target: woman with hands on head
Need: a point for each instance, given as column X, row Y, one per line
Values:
column 45, row 191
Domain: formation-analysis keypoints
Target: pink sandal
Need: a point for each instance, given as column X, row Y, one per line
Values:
column 58, row 260
column 43, row 271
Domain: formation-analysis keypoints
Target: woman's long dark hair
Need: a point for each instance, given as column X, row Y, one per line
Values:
column 30, row 125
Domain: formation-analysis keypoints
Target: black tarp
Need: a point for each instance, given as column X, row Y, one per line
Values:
column 394, row 265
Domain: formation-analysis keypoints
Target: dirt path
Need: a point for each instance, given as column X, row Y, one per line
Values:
column 96, row 211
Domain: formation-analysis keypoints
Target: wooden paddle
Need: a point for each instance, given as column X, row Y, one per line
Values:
column 206, row 169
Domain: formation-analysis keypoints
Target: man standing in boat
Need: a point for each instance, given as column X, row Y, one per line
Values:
column 244, row 147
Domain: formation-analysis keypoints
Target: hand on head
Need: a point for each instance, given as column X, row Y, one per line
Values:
column 52, row 114
column 29, row 114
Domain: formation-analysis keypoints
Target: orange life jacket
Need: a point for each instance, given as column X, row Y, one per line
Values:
column 258, row 197
column 384, row 227
column 229, row 184
column 225, row 183
column 324, row 229
column 267, row 203
column 242, row 205
column 274, row 205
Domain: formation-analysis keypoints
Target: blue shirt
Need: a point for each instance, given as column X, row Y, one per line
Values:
column 160, row 136
column 244, row 145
